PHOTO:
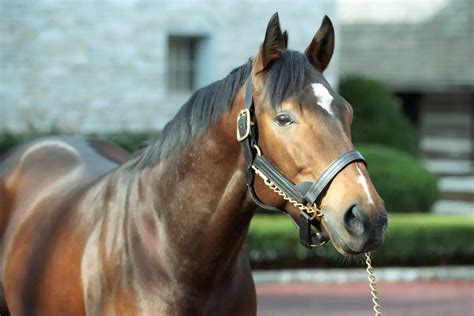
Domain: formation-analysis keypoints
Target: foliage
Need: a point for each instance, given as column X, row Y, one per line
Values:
column 129, row 141
column 411, row 239
column 377, row 117
column 9, row 140
column 402, row 182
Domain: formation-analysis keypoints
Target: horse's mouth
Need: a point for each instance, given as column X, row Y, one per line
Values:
column 343, row 248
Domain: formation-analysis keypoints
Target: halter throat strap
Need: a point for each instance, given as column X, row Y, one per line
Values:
column 305, row 193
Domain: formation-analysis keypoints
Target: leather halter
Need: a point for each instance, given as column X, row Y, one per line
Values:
column 305, row 193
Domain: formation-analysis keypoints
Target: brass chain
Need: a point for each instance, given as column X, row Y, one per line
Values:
column 311, row 210
column 373, row 285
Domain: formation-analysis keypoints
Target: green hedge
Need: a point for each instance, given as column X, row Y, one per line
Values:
column 411, row 239
column 129, row 141
column 377, row 115
column 401, row 180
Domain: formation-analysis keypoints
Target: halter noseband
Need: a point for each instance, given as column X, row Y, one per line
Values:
column 303, row 195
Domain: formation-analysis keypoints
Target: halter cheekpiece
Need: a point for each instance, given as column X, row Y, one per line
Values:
column 304, row 195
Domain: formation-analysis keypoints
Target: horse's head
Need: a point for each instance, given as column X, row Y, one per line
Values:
column 303, row 126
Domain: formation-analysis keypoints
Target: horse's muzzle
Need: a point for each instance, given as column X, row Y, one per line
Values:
column 361, row 233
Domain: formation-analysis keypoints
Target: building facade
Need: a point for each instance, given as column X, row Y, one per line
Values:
column 424, row 51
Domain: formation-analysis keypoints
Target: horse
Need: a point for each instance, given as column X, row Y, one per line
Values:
column 87, row 228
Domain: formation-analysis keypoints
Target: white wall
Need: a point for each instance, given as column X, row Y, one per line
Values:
column 409, row 44
column 101, row 65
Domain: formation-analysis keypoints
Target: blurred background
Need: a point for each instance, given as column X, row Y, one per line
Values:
column 119, row 70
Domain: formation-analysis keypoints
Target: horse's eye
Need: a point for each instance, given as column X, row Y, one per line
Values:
column 284, row 119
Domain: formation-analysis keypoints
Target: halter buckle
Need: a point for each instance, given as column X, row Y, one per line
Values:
column 243, row 125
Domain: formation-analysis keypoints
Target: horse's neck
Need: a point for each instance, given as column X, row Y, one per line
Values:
column 200, row 208
column 201, row 199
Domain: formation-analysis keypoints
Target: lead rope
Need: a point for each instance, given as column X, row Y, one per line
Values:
column 373, row 285
column 315, row 212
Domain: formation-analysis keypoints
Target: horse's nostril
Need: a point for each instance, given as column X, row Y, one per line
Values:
column 354, row 219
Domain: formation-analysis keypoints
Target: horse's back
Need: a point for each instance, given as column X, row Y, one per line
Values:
column 50, row 157
column 52, row 166
column 40, row 182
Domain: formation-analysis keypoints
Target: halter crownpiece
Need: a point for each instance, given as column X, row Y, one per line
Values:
column 304, row 195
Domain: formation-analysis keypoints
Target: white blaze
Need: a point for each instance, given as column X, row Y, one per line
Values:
column 363, row 181
column 324, row 97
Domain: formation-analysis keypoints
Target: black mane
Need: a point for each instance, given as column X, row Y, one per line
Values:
column 286, row 77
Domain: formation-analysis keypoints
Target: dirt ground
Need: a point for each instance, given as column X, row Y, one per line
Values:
column 421, row 298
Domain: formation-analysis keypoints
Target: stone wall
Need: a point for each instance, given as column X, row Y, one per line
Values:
column 409, row 44
column 100, row 66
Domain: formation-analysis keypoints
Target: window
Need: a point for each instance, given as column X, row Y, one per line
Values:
column 182, row 60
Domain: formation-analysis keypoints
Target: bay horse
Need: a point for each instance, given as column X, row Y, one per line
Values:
column 87, row 229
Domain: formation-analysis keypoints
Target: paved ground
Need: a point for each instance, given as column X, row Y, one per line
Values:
column 420, row 298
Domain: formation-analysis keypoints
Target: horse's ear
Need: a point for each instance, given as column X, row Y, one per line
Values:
column 285, row 39
column 273, row 45
column 319, row 52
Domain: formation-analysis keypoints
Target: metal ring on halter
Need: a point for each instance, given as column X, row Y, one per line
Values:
column 259, row 152
column 319, row 245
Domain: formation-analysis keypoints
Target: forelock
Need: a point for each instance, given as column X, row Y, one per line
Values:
column 287, row 77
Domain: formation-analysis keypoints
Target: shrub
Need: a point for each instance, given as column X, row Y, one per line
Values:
column 426, row 239
column 402, row 182
column 377, row 117
column 129, row 141
column 10, row 140
column 411, row 239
